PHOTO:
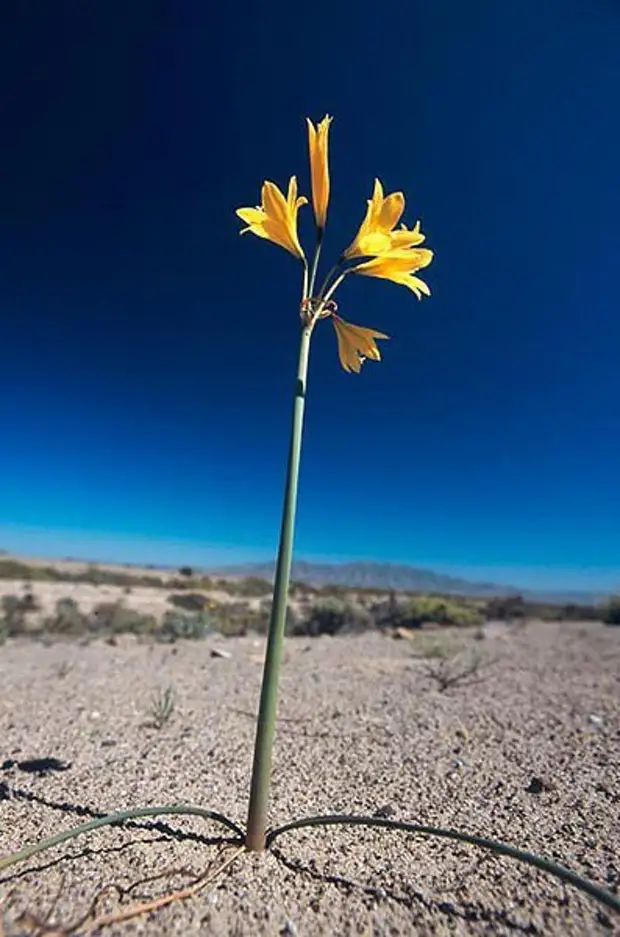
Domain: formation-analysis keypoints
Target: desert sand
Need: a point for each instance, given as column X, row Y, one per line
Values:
column 528, row 752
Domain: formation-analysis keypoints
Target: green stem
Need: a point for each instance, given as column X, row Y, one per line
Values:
column 331, row 273
column 335, row 285
column 265, row 730
column 546, row 865
column 112, row 819
column 315, row 260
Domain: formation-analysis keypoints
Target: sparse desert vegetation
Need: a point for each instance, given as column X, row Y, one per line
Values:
column 521, row 749
column 611, row 611
column 429, row 660
column 70, row 599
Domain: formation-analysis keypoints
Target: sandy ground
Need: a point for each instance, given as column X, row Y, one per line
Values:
column 363, row 728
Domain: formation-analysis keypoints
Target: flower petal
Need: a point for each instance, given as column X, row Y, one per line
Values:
column 405, row 238
column 276, row 219
column 274, row 203
column 318, row 139
column 396, row 261
column 355, row 344
column 251, row 215
column 376, row 235
column 391, row 211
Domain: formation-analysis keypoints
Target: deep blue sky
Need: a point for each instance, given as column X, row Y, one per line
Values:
column 148, row 351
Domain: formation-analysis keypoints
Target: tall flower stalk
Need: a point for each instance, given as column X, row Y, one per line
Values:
column 265, row 730
column 381, row 250
column 377, row 250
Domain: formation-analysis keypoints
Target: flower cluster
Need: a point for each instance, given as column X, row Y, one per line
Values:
column 379, row 249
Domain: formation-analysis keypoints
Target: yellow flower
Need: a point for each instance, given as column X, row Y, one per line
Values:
column 276, row 217
column 376, row 233
column 355, row 344
column 399, row 266
column 319, row 168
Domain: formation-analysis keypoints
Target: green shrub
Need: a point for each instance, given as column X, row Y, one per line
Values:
column 332, row 615
column 175, row 626
column 190, row 601
column 116, row 618
column 14, row 612
column 111, row 577
column 430, row 609
column 13, row 569
column 234, row 619
column 67, row 619
column 611, row 611
column 259, row 621
column 251, row 587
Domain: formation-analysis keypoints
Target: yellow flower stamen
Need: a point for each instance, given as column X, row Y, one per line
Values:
column 319, row 168
column 275, row 219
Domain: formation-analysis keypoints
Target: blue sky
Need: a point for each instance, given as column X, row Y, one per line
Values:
column 148, row 351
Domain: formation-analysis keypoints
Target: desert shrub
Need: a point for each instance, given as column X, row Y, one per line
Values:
column 162, row 708
column 29, row 602
column 331, row 615
column 233, row 626
column 333, row 590
column 234, row 619
column 302, row 590
column 250, row 587
column 13, row 569
column 450, row 671
column 505, row 608
column 14, row 610
column 430, row 609
column 186, row 571
column 190, row 601
column 67, row 618
column 259, row 621
column 572, row 611
column 175, row 626
column 12, row 615
column 610, row 611
column 390, row 612
column 116, row 618
column 112, row 577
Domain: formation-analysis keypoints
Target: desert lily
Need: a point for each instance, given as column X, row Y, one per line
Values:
column 378, row 250
column 376, row 234
column 275, row 219
column 318, row 139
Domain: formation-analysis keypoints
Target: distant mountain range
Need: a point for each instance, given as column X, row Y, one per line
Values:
column 406, row 578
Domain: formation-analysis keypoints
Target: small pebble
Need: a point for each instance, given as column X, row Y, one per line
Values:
column 217, row 652
column 388, row 810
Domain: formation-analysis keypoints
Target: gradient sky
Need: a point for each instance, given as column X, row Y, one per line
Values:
column 148, row 352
